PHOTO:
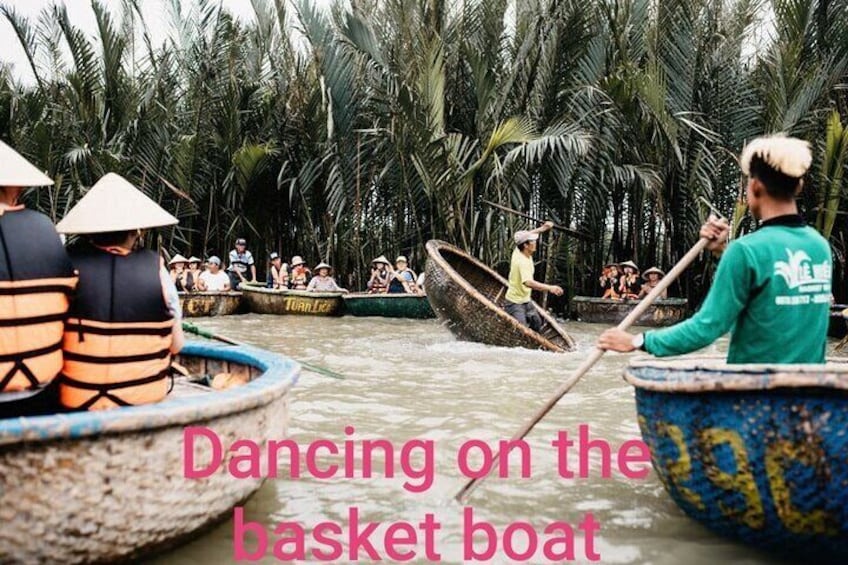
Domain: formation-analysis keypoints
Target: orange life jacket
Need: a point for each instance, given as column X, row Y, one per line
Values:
column 36, row 279
column 118, row 334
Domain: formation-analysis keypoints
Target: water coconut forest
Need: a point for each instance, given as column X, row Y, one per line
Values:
column 370, row 127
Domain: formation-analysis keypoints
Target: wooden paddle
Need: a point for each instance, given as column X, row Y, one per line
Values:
column 193, row 329
column 590, row 361
column 572, row 232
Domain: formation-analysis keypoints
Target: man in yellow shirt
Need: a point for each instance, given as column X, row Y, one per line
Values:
column 519, row 303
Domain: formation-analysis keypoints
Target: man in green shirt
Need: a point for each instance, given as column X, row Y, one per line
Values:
column 519, row 303
column 772, row 287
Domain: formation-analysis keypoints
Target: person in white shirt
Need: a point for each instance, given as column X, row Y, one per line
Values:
column 213, row 279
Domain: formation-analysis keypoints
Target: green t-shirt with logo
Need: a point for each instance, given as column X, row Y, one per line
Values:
column 771, row 291
column 520, row 269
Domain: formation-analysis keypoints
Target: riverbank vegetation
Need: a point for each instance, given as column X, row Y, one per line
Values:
column 373, row 126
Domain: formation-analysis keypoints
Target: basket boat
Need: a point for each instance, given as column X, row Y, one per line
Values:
column 274, row 301
column 838, row 325
column 469, row 297
column 106, row 486
column 199, row 304
column 758, row 453
column 388, row 305
column 665, row 312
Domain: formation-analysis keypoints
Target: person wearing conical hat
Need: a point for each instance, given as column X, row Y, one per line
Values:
column 36, row 280
column 300, row 274
column 402, row 278
column 119, row 337
column 652, row 278
column 381, row 274
column 191, row 276
column 322, row 281
column 629, row 283
column 772, row 287
column 177, row 268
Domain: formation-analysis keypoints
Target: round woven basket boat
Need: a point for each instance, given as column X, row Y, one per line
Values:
column 109, row 485
column 663, row 312
column 469, row 297
column 274, row 301
column 199, row 304
column 758, row 453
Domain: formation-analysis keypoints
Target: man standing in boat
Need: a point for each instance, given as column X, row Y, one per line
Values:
column 772, row 287
column 519, row 303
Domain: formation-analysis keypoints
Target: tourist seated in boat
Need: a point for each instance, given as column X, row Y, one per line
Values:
column 519, row 303
column 213, row 279
column 323, row 281
column 177, row 267
column 772, row 287
column 402, row 278
column 278, row 273
column 381, row 274
column 119, row 337
column 629, row 283
column 240, row 264
column 192, row 274
column 609, row 281
column 652, row 278
column 37, row 279
column 300, row 274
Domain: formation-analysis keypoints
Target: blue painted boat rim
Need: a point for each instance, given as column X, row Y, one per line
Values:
column 279, row 374
column 713, row 374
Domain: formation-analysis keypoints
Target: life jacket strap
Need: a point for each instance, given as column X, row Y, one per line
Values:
column 20, row 366
column 116, row 330
column 117, row 359
column 33, row 320
column 104, row 389
column 38, row 289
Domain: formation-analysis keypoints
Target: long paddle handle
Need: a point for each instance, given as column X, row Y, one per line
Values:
column 191, row 328
column 570, row 231
column 590, row 361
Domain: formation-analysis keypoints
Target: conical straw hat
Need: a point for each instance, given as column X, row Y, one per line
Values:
column 382, row 259
column 113, row 204
column 17, row 171
column 177, row 259
column 322, row 265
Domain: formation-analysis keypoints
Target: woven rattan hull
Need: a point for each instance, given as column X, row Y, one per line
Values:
column 199, row 304
column 96, row 487
column 606, row 311
column 388, row 305
column 270, row 301
column 838, row 326
column 468, row 296
column 757, row 453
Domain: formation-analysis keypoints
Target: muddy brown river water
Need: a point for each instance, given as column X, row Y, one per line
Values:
column 411, row 379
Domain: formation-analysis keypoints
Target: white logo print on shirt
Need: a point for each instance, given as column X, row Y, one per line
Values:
column 799, row 270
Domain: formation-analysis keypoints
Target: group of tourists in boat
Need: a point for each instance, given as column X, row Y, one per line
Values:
column 622, row 281
column 91, row 341
column 189, row 274
column 399, row 279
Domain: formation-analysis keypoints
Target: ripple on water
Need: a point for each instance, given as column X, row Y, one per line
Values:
column 411, row 379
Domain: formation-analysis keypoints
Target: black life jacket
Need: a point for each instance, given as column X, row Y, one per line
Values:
column 396, row 286
column 118, row 334
column 36, row 281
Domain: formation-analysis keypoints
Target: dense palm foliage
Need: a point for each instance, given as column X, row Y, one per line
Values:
column 380, row 124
